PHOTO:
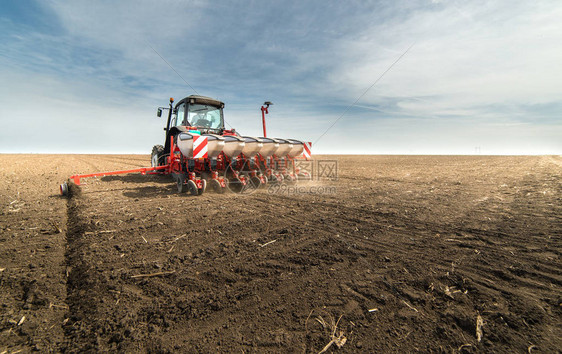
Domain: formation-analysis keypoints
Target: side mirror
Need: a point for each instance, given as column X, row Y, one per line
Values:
column 159, row 112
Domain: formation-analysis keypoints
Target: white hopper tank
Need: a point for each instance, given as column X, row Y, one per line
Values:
column 215, row 144
column 270, row 146
column 253, row 146
column 185, row 143
column 284, row 147
column 298, row 148
column 233, row 145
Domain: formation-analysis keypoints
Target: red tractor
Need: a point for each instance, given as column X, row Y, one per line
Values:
column 199, row 151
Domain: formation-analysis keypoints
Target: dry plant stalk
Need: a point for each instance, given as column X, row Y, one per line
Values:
column 464, row 346
column 268, row 243
column 410, row 306
column 447, row 292
column 479, row 324
column 152, row 274
column 339, row 340
column 51, row 305
column 56, row 227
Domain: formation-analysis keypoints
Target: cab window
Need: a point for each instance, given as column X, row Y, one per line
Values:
column 204, row 116
column 180, row 115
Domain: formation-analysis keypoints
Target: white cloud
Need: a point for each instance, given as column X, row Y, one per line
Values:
column 476, row 68
column 498, row 53
column 47, row 115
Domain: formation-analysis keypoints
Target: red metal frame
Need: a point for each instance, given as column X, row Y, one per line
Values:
column 176, row 162
column 143, row 171
column 263, row 113
column 172, row 166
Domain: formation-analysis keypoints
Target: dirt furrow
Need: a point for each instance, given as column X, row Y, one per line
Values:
column 409, row 251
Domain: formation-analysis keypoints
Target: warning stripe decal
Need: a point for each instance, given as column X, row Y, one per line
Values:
column 199, row 147
column 307, row 150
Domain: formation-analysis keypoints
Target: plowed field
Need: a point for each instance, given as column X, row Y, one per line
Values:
column 399, row 254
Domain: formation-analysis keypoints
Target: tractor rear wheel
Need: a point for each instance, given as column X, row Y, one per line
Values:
column 157, row 156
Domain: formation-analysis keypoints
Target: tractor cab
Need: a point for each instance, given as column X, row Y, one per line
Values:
column 198, row 113
column 194, row 113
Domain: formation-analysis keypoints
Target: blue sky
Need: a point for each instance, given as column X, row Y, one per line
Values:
column 80, row 76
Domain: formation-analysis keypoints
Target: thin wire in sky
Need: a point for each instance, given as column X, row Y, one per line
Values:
column 364, row 93
column 171, row 67
column 187, row 83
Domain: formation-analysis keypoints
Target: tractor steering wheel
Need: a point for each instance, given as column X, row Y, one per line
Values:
column 203, row 123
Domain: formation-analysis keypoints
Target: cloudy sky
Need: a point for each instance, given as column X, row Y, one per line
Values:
column 81, row 76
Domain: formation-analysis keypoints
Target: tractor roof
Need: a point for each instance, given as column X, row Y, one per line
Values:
column 201, row 100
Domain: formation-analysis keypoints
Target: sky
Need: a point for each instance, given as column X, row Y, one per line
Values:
column 396, row 77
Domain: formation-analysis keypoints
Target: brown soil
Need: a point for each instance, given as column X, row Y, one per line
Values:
column 404, row 254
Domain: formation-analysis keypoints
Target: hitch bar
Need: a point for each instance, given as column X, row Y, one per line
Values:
column 143, row 171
